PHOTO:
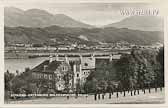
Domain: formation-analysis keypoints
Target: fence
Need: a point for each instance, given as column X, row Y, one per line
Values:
column 113, row 97
column 98, row 96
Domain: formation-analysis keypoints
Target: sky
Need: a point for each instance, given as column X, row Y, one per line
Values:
column 97, row 14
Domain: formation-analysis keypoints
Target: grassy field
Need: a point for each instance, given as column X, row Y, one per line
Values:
column 147, row 98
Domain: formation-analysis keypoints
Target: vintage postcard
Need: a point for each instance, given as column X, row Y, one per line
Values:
column 84, row 53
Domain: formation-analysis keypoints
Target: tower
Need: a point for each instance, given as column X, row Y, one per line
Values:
column 111, row 57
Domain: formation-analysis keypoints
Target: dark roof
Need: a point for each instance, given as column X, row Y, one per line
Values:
column 50, row 67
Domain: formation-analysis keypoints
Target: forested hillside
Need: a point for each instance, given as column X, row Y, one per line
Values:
column 66, row 35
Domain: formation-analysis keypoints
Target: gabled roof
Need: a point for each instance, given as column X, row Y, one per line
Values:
column 49, row 67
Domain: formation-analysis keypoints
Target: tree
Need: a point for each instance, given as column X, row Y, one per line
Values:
column 8, row 77
column 17, row 84
column 149, row 74
column 141, row 68
column 160, row 74
column 126, row 71
column 91, row 86
column 111, row 86
column 102, row 84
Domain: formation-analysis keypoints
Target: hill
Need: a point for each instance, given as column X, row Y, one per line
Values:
column 14, row 17
column 72, row 35
column 144, row 23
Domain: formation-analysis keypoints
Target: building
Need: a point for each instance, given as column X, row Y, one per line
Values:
column 81, row 67
column 55, row 74
column 67, row 73
column 87, row 65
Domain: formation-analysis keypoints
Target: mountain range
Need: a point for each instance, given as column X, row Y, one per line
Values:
column 40, row 26
column 144, row 23
column 14, row 17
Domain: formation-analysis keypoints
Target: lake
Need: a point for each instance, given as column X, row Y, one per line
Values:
column 20, row 64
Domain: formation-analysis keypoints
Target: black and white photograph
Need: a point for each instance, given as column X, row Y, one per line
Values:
column 84, row 53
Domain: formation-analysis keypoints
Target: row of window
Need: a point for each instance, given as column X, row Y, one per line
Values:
column 86, row 73
column 50, row 76
column 64, row 68
column 42, row 75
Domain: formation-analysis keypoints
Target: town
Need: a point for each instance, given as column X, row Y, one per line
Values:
column 20, row 50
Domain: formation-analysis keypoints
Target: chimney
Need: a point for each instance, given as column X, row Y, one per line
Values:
column 92, row 56
column 66, row 59
column 44, row 69
column 56, row 57
column 50, row 59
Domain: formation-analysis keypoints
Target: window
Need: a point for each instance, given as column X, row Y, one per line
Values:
column 40, row 76
column 45, row 76
column 84, row 73
column 50, row 85
column 64, row 68
column 34, row 75
column 86, row 64
column 77, row 75
column 59, row 77
column 50, row 77
column 37, row 75
column 70, row 76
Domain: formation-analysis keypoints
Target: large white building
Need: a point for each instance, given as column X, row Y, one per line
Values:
column 76, row 69
column 81, row 67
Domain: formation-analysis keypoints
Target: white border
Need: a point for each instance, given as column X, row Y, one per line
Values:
column 161, row 3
